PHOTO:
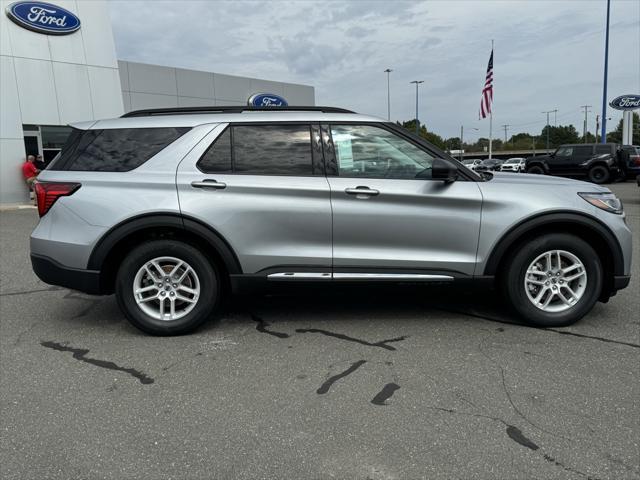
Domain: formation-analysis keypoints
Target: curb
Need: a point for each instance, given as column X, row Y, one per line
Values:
column 17, row 206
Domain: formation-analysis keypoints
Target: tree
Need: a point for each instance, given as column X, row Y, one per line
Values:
column 560, row 135
column 453, row 143
column 430, row 137
column 616, row 135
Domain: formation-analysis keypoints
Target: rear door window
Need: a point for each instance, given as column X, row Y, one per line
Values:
column 582, row 152
column 272, row 150
column 603, row 149
column 217, row 158
column 261, row 150
column 114, row 150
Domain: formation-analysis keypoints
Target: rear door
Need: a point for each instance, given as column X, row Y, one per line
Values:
column 389, row 217
column 262, row 188
column 581, row 154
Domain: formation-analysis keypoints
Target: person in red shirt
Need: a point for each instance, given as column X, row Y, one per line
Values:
column 30, row 172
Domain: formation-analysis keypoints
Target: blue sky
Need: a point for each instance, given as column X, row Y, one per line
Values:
column 548, row 54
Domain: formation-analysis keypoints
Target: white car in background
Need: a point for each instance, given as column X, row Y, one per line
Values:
column 471, row 163
column 516, row 164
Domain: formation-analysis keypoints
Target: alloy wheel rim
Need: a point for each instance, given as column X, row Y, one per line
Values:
column 166, row 288
column 555, row 281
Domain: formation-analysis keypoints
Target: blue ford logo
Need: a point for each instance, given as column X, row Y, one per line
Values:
column 626, row 102
column 43, row 18
column 267, row 100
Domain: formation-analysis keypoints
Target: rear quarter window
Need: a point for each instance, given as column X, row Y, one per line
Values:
column 114, row 150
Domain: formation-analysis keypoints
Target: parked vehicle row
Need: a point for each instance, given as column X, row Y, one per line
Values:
column 598, row 162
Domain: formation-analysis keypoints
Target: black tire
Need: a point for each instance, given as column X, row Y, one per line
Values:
column 514, row 273
column 536, row 170
column 208, row 276
column 599, row 174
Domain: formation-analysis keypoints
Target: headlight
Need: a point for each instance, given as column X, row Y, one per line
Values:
column 604, row 201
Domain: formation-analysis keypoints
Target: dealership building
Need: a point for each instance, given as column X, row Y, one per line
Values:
column 59, row 66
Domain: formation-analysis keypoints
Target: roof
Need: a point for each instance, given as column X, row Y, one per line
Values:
column 185, row 118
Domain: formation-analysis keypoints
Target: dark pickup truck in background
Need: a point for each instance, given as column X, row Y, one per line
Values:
column 599, row 162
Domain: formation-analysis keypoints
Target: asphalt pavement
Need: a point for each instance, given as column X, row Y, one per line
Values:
column 369, row 383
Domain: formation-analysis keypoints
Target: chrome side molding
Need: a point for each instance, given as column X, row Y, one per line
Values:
column 306, row 276
column 293, row 276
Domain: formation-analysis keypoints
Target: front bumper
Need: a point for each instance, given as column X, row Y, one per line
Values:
column 53, row 273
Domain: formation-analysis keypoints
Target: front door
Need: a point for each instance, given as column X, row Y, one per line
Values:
column 389, row 216
column 262, row 187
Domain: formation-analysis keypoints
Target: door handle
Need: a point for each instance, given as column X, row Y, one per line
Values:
column 209, row 184
column 361, row 190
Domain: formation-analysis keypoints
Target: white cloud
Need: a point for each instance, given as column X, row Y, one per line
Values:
column 548, row 54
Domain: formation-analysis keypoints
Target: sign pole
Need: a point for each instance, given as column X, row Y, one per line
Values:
column 603, row 134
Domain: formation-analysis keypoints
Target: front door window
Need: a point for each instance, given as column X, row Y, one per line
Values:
column 365, row 151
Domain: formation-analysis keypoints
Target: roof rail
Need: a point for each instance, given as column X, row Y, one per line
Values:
column 229, row 109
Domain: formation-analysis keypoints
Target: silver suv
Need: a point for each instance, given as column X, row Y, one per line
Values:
column 172, row 209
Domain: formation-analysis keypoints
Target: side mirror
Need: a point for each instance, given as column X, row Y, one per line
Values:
column 442, row 169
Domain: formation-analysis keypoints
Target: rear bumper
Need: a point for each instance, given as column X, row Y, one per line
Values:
column 53, row 273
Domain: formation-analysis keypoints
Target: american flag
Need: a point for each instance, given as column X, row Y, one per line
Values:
column 487, row 91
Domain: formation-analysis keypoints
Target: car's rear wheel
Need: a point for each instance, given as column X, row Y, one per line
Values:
column 166, row 287
column 599, row 174
column 536, row 170
column 553, row 280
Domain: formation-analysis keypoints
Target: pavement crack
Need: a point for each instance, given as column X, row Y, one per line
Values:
column 80, row 354
column 262, row 327
column 324, row 388
column 510, row 400
column 341, row 336
column 559, row 332
column 517, row 436
column 29, row 292
column 384, row 394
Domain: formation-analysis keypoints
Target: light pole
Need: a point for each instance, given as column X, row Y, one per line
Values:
column 417, row 82
column 548, row 112
column 603, row 135
column 462, row 138
column 388, row 71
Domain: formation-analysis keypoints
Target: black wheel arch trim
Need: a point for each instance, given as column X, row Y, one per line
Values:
column 545, row 218
column 157, row 220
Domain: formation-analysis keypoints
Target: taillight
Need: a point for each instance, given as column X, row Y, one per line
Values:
column 48, row 192
column 635, row 160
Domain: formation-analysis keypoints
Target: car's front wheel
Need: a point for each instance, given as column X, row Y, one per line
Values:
column 167, row 287
column 553, row 280
column 599, row 174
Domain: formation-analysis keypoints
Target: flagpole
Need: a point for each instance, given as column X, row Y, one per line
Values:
column 491, row 115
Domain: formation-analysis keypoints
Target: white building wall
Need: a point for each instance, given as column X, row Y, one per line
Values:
column 154, row 86
column 53, row 80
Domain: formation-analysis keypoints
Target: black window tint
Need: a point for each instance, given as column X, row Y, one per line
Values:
column 582, row 151
column 75, row 144
column 121, row 149
column 272, row 150
column 603, row 149
column 217, row 159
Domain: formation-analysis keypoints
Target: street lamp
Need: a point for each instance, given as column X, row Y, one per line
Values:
column 388, row 71
column 417, row 82
column 461, row 138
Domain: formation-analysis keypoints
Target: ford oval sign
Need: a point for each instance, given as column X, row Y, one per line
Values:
column 267, row 100
column 626, row 102
column 43, row 18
